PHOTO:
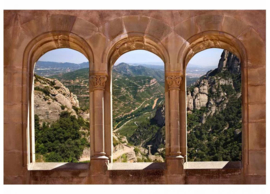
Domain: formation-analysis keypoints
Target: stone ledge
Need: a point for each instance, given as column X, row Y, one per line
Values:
column 137, row 166
column 43, row 166
column 213, row 165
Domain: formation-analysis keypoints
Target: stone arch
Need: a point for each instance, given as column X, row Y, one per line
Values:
column 123, row 44
column 135, row 32
column 200, row 42
column 136, row 42
column 33, row 51
column 211, row 39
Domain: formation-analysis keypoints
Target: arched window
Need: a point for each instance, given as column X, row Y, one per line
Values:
column 138, row 108
column 214, row 106
column 60, row 112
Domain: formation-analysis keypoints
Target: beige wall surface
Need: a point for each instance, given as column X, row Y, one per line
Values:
column 103, row 36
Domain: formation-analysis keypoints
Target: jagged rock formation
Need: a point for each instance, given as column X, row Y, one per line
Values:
column 229, row 62
column 51, row 97
column 210, row 90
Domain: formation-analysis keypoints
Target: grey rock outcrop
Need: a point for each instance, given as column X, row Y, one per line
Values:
column 200, row 100
column 229, row 62
column 213, row 90
column 51, row 97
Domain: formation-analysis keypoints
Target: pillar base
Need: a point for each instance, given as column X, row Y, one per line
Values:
column 98, row 165
column 175, row 165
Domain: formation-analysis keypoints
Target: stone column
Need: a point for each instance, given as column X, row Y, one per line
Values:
column 174, row 158
column 99, row 161
column 183, row 122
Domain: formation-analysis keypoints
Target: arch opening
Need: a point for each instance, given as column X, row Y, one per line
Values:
column 60, row 130
column 138, row 104
column 214, row 106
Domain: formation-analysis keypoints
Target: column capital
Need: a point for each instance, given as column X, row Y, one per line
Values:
column 97, row 81
column 174, row 80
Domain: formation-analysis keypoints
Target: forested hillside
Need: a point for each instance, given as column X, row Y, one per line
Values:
column 214, row 119
column 62, row 131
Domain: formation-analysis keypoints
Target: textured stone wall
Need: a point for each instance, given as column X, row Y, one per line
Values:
column 102, row 36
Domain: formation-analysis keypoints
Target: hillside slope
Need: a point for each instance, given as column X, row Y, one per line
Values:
column 61, row 127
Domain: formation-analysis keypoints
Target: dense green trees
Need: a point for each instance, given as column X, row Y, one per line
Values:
column 217, row 139
column 63, row 140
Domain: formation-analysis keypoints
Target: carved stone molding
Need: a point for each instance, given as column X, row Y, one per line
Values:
column 61, row 41
column 97, row 82
column 211, row 39
column 174, row 80
column 134, row 43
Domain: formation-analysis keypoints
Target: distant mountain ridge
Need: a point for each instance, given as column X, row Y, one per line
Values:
column 48, row 68
column 51, row 64
column 140, row 70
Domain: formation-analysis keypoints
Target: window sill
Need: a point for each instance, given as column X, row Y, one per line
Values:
column 47, row 166
column 136, row 166
column 213, row 165
column 57, row 166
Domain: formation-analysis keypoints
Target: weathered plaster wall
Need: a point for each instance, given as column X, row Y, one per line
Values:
column 173, row 35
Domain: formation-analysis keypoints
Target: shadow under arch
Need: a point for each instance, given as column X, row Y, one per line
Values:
column 34, row 50
column 200, row 42
column 118, row 47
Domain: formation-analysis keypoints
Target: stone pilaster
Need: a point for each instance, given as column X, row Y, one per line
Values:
column 174, row 159
column 99, row 160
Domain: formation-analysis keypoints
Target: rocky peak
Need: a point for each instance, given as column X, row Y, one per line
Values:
column 230, row 62
column 212, row 88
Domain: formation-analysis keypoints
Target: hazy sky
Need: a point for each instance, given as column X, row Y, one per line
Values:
column 139, row 56
column 64, row 55
column 209, row 57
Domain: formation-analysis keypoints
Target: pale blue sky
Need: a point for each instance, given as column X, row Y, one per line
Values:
column 209, row 57
column 139, row 56
column 64, row 55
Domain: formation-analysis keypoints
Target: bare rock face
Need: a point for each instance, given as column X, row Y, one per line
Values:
column 51, row 97
column 196, row 91
column 143, row 150
column 85, row 115
column 118, row 147
column 213, row 90
column 189, row 101
column 201, row 100
column 204, row 86
column 225, row 81
column 212, row 106
column 131, row 157
column 85, row 155
column 229, row 62
column 47, row 109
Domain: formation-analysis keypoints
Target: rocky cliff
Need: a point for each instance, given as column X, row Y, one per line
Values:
column 215, row 88
column 51, row 97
